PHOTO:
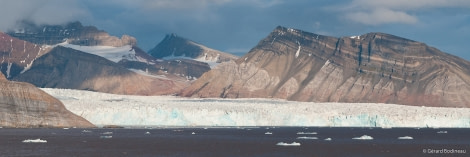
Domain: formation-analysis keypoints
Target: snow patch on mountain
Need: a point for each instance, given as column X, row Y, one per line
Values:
column 205, row 59
column 355, row 37
column 111, row 53
column 110, row 109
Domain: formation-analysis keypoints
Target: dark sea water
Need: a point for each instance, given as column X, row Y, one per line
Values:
column 206, row 142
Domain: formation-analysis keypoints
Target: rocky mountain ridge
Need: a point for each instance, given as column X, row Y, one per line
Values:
column 74, row 33
column 69, row 68
column 22, row 106
column 371, row 68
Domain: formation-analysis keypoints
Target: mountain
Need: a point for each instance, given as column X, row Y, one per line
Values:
column 23, row 105
column 74, row 33
column 113, row 67
column 17, row 55
column 68, row 68
column 371, row 68
column 175, row 47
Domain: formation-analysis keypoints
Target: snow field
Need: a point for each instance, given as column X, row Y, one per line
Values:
column 111, row 53
column 109, row 109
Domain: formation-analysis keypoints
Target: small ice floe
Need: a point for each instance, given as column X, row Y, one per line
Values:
column 327, row 139
column 107, row 133
column 307, row 138
column 34, row 141
column 306, row 133
column 66, row 128
column 288, row 144
column 405, row 138
column 268, row 133
column 147, row 133
column 193, row 133
column 442, row 132
column 363, row 137
column 106, row 137
column 87, row 131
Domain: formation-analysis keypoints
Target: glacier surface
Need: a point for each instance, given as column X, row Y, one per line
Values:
column 109, row 109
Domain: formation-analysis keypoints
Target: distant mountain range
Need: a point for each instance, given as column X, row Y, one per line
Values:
column 83, row 57
column 371, row 68
column 288, row 64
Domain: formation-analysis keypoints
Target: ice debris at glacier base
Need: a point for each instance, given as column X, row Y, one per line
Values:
column 34, row 141
column 177, row 111
column 288, row 144
column 405, row 138
column 363, row 137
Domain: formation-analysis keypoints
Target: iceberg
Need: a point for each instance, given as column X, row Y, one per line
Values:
column 442, row 132
column 106, row 137
column 288, row 144
column 179, row 111
column 307, row 138
column 363, row 137
column 107, row 133
column 306, row 133
column 34, row 141
column 405, row 138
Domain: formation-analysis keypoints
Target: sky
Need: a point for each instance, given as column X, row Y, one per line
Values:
column 236, row 26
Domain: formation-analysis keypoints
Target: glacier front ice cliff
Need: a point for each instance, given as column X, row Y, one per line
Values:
column 124, row 110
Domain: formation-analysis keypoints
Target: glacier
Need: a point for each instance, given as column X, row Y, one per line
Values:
column 125, row 110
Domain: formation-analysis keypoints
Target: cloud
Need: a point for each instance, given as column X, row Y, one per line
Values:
column 181, row 4
column 382, row 16
column 378, row 12
column 409, row 4
column 39, row 12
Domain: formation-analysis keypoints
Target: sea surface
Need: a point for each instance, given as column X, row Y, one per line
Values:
column 235, row 141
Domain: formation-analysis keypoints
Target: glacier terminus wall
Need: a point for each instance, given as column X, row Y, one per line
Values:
column 109, row 109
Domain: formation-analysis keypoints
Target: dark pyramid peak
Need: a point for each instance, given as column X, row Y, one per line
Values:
column 176, row 46
column 172, row 45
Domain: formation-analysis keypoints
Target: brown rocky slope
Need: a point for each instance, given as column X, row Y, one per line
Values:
column 22, row 105
column 72, row 69
column 372, row 68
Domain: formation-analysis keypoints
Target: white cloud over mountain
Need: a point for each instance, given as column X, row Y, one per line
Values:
column 377, row 12
column 40, row 12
